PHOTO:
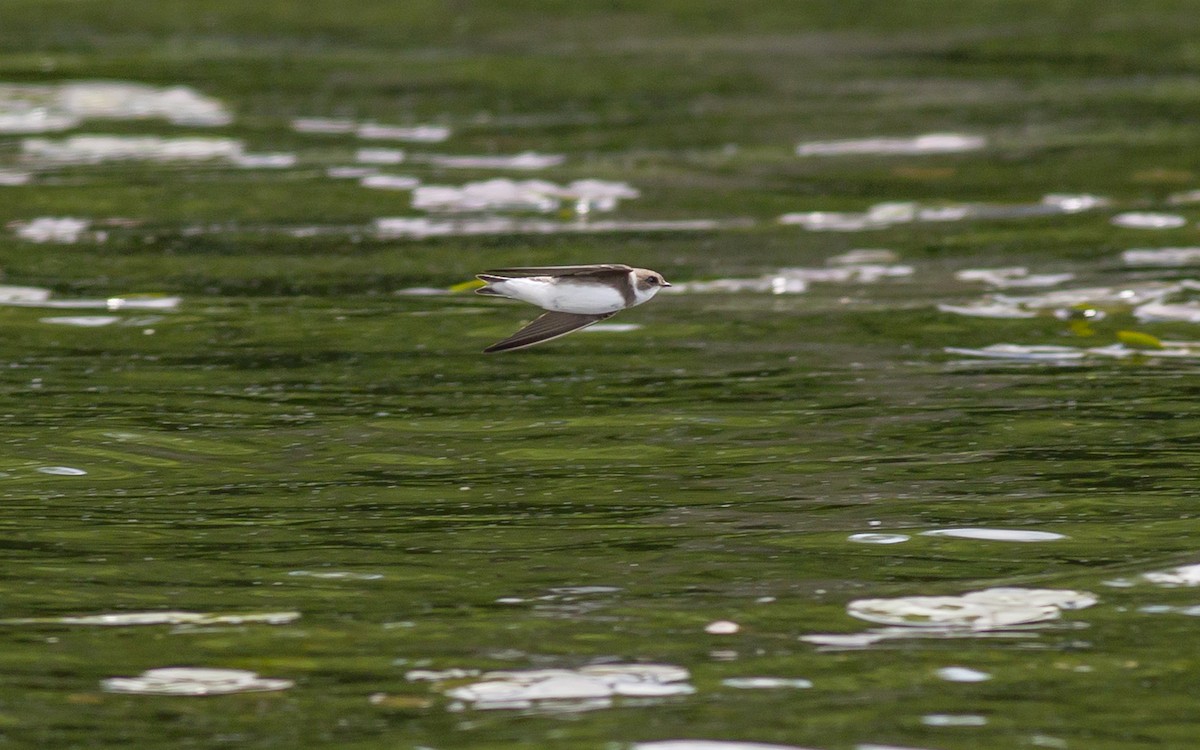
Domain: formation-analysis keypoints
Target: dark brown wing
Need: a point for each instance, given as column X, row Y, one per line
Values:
column 550, row 325
column 599, row 270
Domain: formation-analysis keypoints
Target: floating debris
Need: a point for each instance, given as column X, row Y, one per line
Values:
column 962, row 674
column 765, row 683
column 932, row 143
column 26, row 108
column 1148, row 220
column 879, row 538
column 573, row 689
column 163, row 618
column 193, row 681
column 1162, row 257
column 998, row 535
column 1012, row 277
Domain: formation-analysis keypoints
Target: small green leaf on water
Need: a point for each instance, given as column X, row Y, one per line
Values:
column 1139, row 340
column 1081, row 328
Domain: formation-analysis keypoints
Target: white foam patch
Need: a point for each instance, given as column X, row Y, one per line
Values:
column 193, row 681
column 1184, row 575
column 587, row 687
column 23, row 294
column 879, row 538
column 954, row 720
column 864, row 256
column 709, row 745
column 989, row 609
column 97, row 149
column 996, row 309
column 540, row 196
column 1022, row 352
column 1161, row 257
column 997, row 535
column 525, row 161
column 1184, row 312
column 797, row 280
column 613, row 328
column 765, row 683
column 122, row 619
column 422, row 228
column 14, row 178
column 1012, row 277
column 1148, row 220
column 36, row 108
column 379, row 156
column 962, row 674
column 722, row 627
column 351, row 173
column 371, row 130
column 336, row 575
column 931, row 143
column 62, row 471
column 389, row 182
column 411, row 133
column 82, row 321
column 891, row 213
column 63, row 230
column 35, row 297
column 1069, row 355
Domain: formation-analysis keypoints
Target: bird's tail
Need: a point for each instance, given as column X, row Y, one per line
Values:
column 489, row 279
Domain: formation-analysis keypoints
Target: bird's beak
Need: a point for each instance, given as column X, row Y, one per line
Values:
column 666, row 283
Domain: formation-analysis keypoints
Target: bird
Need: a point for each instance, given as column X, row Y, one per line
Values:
column 573, row 297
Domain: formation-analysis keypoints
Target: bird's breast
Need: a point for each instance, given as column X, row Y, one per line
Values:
column 587, row 299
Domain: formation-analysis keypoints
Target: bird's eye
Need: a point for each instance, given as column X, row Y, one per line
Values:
column 655, row 279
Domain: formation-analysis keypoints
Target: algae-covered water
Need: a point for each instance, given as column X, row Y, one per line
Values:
column 906, row 458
